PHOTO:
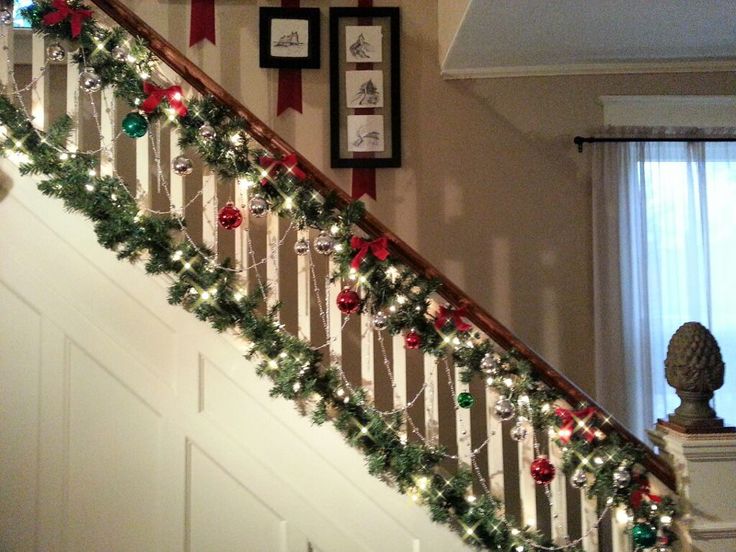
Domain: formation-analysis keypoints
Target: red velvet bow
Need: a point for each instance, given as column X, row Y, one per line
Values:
column 456, row 315
column 63, row 11
column 155, row 94
column 642, row 493
column 570, row 419
column 289, row 163
column 378, row 247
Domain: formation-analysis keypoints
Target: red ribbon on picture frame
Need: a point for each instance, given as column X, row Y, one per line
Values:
column 202, row 22
column 290, row 80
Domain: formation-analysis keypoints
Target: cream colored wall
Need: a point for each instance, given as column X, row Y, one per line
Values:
column 491, row 190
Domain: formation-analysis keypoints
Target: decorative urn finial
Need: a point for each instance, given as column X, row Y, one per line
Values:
column 694, row 367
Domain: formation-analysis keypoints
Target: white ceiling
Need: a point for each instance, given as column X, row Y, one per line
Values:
column 547, row 37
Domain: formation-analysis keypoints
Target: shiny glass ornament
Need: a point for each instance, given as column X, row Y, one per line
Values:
column 230, row 216
column 621, row 477
column 380, row 321
column 258, row 207
column 504, row 409
column 578, row 479
column 135, row 125
column 182, row 165
column 120, row 53
column 55, row 52
column 348, row 301
column 488, row 364
column 89, row 80
column 412, row 340
column 542, row 470
column 465, row 400
column 301, row 247
column 324, row 243
column 644, row 534
column 207, row 132
column 518, row 432
column 6, row 16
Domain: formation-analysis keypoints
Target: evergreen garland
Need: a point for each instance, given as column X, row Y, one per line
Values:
column 299, row 372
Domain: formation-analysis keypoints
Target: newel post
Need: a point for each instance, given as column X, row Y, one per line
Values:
column 700, row 448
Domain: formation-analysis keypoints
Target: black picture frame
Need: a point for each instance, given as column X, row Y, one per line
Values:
column 343, row 21
column 308, row 18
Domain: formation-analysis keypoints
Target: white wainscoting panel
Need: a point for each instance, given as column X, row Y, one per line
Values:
column 128, row 425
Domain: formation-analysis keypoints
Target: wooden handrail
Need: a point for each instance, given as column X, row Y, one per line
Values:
column 205, row 85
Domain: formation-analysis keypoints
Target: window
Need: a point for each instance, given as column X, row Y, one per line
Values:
column 664, row 217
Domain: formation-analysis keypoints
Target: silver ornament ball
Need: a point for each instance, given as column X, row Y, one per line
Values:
column 258, row 206
column 621, row 477
column 324, row 243
column 578, row 479
column 207, row 132
column 120, row 53
column 301, row 247
column 504, row 409
column 488, row 364
column 182, row 166
column 89, row 80
column 6, row 17
column 55, row 52
column 518, row 432
column 380, row 321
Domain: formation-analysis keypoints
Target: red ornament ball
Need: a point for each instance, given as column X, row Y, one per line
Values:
column 230, row 216
column 542, row 470
column 413, row 340
column 348, row 301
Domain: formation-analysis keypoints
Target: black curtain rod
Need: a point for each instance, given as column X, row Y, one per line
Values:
column 580, row 140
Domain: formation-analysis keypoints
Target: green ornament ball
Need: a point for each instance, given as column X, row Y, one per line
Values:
column 644, row 535
column 135, row 125
column 465, row 400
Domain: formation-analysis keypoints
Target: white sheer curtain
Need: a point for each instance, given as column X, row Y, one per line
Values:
column 664, row 219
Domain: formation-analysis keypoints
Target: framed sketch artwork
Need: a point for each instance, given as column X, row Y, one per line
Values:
column 289, row 38
column 365, row 123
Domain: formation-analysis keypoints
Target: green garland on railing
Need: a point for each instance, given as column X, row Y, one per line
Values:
column 601, row 462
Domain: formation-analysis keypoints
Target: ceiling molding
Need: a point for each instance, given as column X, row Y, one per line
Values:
column 613, row 68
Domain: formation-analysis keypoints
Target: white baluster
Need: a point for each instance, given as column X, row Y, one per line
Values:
column 176, row 182
column 143, row 170
column 588, row 519
column 558, row 494
column 304, row 293
column 242, row 254
column 431, row 400
column 527, row 486
column 399, row 371
column 462, row 422
column 108, row 130
column 494, row 427
column 7, row 55
column 334, row 314
column 209, row 209
column 272, row 258
column 367, row 352
column 73, row 101
column 620, row 538
column 40, row 92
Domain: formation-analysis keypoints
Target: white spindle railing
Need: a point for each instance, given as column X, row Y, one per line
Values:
column 316, row 307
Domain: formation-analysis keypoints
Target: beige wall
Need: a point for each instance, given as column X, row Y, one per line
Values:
column 491, row 190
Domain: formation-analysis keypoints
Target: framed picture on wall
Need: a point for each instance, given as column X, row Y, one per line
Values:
column 365, row 113
column 289, row 38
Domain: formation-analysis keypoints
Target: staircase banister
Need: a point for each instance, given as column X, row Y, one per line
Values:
column 270, row 140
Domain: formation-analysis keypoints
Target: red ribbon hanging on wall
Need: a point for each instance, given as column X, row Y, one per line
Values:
column 364, row 179
column 290, row 80
column 202, row 22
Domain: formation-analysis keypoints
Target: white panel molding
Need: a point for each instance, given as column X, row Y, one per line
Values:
column 669, row 111
column 613, row 68
column 316, row 483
